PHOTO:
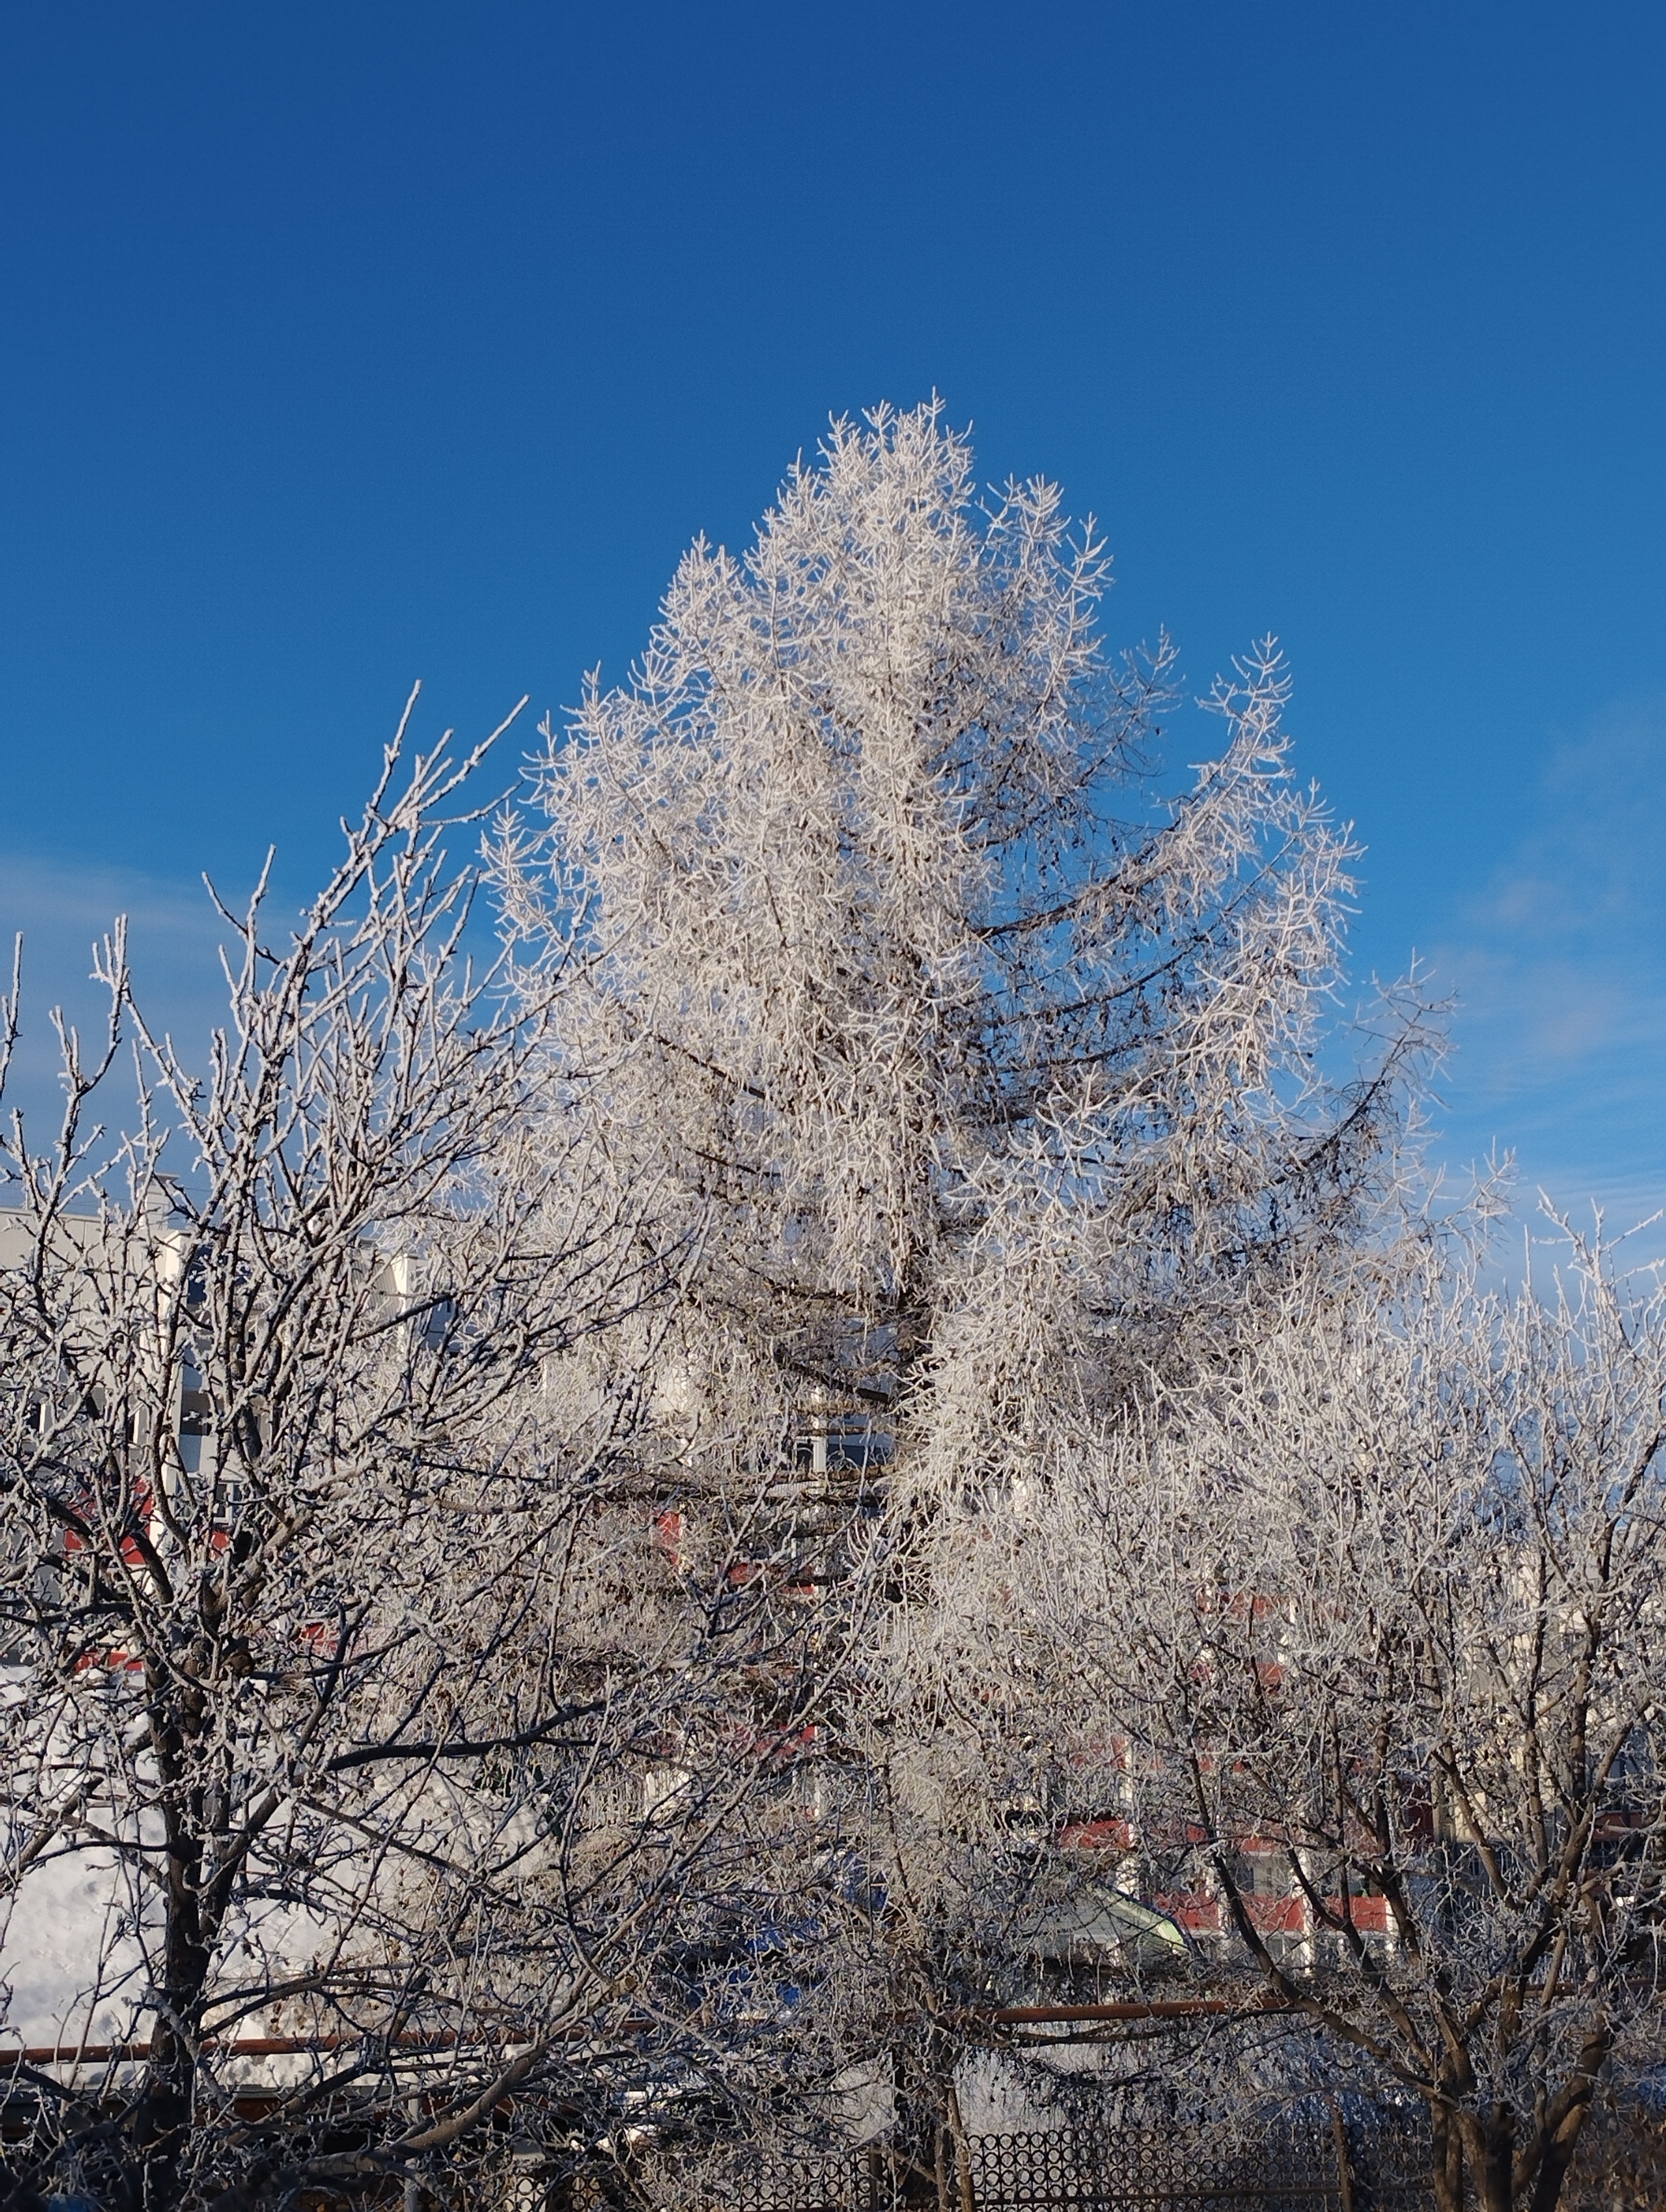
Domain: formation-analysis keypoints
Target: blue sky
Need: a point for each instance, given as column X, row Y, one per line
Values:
column 347, row 346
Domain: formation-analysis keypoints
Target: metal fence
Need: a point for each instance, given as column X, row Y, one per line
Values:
column 1148, row 2170
column 1372, row 2163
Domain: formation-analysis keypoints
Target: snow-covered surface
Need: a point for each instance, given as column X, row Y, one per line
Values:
column 71, row 1968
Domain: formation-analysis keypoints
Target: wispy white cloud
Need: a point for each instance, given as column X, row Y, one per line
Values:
column 1558, row 962
column 61, row 910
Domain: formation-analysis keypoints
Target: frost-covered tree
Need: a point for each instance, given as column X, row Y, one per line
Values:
column 1378, row 1625
column 981, row 1060
column 372, row 1765
column 989, row 1071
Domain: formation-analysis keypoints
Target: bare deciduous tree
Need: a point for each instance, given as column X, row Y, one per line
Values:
column 371, row 1765
column 1380, row 1621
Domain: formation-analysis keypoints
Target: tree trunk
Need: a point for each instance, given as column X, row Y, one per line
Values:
column 1494, row 2147
column 963, row 2152
column 1557, row 2147
column 161, row 2120
column 1555, row 2159
column 1447, row 2162
column 1344, row 2162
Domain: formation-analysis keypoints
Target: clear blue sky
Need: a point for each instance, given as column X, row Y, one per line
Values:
column 344, row 345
